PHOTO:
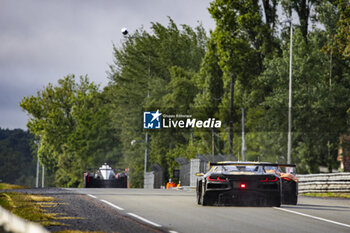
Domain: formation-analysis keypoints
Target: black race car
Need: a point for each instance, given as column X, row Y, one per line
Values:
column 105, row 177
column 247, row 184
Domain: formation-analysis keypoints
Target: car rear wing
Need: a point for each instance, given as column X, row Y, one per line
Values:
column 251, row 164
column 117, row 170
column 287, row 168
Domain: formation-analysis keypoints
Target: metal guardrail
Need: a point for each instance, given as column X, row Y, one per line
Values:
column 12, row 223
column 329, row 182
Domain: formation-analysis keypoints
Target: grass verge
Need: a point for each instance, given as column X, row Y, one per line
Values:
column 11, row 186
column 31, row 207
column 341, row 195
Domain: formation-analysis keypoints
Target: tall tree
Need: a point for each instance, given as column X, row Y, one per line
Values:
column 71, row 121
column 342, row 36
column 304, row 10
column 17, row 162
column 152, row 68
column 239, row 44
column 318, row 111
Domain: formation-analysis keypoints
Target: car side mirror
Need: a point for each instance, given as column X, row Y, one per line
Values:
column 199, row 174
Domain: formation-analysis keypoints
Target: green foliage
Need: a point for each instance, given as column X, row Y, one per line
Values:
column 17, row 163
column 181, row 71
column 342, row 36
column 71, row 121
column 303, row 9
column 238, row 45
column 320, row 89
column 319, row 103
column 154, row 70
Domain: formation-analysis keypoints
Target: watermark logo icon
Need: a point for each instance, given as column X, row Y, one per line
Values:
column 151, row 120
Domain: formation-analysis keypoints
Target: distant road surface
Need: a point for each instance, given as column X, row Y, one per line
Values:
column 177, row 211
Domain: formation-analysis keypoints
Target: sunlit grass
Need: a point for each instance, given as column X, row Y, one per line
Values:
column 40, row 198
column 341, row 195
column 11, row 186
column 30, row 207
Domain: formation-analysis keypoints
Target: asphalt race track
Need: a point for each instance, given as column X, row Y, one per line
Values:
column 177, row 211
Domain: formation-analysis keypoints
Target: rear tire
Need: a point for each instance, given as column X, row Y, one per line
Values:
column 207, row 201
column 199, row 196
column 289, row 192
column 204, row 201
column 294, row 200
column 277, row 204
column 199, row 192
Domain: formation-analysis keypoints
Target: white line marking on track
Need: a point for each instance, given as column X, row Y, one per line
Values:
column 145, row 220
column 111, row 204
column 314, row 217
column 173, row 232
column 91, row 196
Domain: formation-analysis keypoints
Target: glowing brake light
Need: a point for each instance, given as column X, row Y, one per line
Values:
column 267, row 180
column 243, row 186
column 216, row 179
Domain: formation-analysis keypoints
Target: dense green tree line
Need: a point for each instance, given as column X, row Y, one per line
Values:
column 153, row 71
column 17, row 161
column 182, row 70
column 71, row 123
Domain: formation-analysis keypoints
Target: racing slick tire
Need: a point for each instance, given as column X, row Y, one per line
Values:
column 290, row 193
column 199, row 199
column 293, row 200
column 199, row 192
column 204, row 201
column 276, row 204
column 276, row 200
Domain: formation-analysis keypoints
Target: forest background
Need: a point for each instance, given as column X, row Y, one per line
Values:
column 182, row 70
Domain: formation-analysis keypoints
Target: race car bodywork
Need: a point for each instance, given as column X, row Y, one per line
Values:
column 105, row 177
column 289, row 191
column 246, row 183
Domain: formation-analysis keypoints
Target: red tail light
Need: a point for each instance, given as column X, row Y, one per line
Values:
column 243, row 186
column 217, row 179
column 286, row 178
column 267, row 180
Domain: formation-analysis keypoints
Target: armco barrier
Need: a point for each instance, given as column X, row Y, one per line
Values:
column 329, row 182
column 12, row 223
